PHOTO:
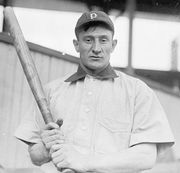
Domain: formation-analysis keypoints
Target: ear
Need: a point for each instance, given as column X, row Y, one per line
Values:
column 76, row 45
column 114, row 43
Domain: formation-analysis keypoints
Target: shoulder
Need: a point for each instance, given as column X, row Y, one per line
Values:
column 125, row 78
column 133, row 83
column 57, row 84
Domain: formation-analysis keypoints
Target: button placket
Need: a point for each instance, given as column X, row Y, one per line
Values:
column 84, row 127
column 89, row 93
column 86, row 112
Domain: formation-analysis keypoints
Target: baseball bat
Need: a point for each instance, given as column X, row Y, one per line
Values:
column 29, row 68
column 27, row 63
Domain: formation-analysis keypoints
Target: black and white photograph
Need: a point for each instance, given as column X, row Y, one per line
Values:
column 89, row 86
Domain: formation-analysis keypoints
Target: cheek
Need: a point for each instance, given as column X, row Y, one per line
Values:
column 84, row 50
column 84, row 46
column 108, row 50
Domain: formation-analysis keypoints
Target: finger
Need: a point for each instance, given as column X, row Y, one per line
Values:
column 51, row 151
column 51, row 135
column 51, row 125
column 58, row 159
column 51, row 132
column 50, row 144
column 57, row 153
column 52, row 138
column 60, row 141
column 62, row 164
column 56, row 147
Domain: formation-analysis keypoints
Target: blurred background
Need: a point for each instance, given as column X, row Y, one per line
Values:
column 148, row 34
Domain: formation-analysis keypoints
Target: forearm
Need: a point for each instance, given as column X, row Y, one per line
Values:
column 39, row 154
column 132, row 160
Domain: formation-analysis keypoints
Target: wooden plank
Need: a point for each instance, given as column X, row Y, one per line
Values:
column 59, row 69
column 26, row 101
column 4, row 37
column 14, row 100
column 21, row 152
column 3, row 55
column 42, row 65
column 16, row 110
column 52, row 69
column 8, row 101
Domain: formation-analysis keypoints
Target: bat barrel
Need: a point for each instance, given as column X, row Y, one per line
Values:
column 27, row 63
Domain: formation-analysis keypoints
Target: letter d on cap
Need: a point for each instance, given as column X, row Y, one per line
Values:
column 93, row 15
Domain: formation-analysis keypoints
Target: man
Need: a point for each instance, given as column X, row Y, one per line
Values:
column 111, row 122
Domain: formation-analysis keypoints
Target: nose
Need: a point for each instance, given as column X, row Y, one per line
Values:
column 96, row 48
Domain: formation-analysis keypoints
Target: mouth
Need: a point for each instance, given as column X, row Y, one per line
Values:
column 95, row 57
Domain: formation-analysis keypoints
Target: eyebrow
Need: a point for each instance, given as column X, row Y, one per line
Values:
column 88, row 35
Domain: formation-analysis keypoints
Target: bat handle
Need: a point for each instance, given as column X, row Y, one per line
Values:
column 67, row 171
column 60, row 123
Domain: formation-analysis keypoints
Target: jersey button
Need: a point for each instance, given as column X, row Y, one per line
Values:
column 89, row 93
column 87, row 110
column 84, row 127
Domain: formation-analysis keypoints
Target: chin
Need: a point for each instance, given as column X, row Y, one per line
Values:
column 95, row 67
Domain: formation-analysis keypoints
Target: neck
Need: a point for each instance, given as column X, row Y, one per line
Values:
column 92, row 72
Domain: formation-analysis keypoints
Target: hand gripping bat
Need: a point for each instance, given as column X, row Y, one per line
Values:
column 29, row 67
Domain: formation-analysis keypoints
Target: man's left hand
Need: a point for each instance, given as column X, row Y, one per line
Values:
column 66, row 156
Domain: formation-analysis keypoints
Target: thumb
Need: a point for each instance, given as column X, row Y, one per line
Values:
column 51, row 125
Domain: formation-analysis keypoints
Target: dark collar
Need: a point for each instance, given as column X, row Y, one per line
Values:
column 106, row 73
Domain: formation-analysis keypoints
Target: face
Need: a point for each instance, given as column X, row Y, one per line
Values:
column 95, row 47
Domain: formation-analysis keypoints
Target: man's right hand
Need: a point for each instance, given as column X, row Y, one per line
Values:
column 51, row 135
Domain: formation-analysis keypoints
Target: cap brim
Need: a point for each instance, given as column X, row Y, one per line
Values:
column 94, row 21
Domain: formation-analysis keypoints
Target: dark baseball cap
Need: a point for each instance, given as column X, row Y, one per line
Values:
column 94, row 17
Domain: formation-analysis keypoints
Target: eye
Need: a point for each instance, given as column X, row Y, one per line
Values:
column 88, row 40
column 104, row 40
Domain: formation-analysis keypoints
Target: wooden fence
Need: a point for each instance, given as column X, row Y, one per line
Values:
column 16, row 97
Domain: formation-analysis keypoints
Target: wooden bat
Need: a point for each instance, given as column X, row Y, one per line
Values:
column 27, row 63
column 29, row 67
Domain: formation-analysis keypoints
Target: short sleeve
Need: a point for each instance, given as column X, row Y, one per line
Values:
column 32, row 122
column 150, row 124
column 30, row 125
